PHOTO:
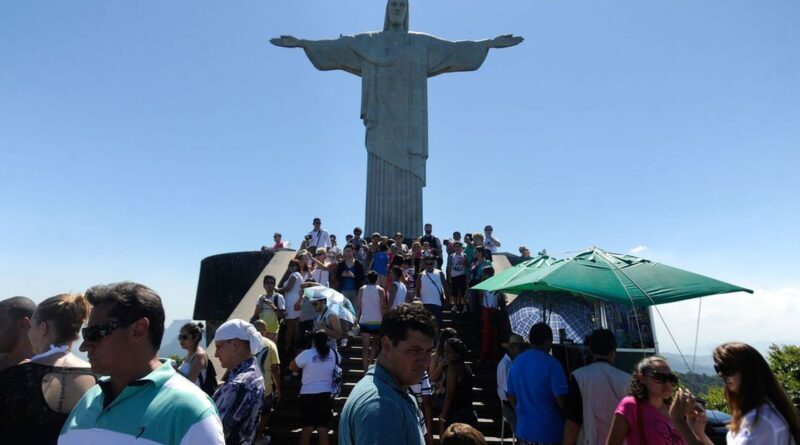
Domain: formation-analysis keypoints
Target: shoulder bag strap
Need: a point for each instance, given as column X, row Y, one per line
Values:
column 434, row 284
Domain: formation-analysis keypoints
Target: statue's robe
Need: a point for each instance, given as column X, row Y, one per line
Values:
column 394, row 68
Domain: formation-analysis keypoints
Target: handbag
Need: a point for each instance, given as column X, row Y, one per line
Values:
column 336, row 384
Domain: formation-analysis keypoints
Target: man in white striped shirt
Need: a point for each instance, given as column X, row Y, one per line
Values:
column 142, row 401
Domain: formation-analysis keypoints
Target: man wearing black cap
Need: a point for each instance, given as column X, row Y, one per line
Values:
column 594, row 392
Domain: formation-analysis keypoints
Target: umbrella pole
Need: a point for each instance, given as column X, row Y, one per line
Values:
column 696, row 333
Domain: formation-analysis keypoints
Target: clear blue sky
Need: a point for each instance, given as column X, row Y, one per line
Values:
column 137, row 138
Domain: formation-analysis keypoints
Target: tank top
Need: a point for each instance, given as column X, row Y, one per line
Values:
column 431, row 286
column 400, row 296
column 292, row 295
column 25, row 416
column 184, row 370
column 370, row 304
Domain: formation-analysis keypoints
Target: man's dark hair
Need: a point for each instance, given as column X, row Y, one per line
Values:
column 348, row 246
column 481, row 250
column 130, row 302
column 18, row 307
column 602, row 342
column 540, row 334
column 269, row 277
column 397, row 271
column 397, row 322
column 372, row 277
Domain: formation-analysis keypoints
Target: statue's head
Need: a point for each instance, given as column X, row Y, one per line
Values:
column 396, row 15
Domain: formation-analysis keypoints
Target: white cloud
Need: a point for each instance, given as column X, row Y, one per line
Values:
column 764, row 317
column 638, row 249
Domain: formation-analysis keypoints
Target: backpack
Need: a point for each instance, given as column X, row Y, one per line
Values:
column 209, row 383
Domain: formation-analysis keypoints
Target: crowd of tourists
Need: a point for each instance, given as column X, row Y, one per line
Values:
column 417, row 383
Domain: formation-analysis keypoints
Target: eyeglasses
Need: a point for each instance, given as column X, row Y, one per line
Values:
column 183, row 337
column 97, row 332
column 723, row 371
column 664, row 377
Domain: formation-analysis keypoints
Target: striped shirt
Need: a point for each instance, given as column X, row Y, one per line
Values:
column 163, row 407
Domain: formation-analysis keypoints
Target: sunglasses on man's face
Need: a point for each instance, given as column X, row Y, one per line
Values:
column 97, row 332
column 664, row 377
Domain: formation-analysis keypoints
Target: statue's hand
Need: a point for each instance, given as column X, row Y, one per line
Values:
column 506, row 40
column 286, row 42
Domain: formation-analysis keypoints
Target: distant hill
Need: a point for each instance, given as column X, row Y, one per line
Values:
column 704, row 364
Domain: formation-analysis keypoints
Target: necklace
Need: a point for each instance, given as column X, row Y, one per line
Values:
column 53, row 351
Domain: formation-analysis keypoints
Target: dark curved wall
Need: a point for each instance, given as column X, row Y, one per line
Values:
column 224, row 279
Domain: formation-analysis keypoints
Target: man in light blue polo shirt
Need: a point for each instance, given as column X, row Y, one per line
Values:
column 141, row 401
column 380, row 410
column 537, row 389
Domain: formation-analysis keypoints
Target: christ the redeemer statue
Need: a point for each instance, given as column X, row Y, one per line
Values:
column 394, row 66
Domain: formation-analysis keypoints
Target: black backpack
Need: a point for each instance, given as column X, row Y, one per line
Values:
column 209, row 384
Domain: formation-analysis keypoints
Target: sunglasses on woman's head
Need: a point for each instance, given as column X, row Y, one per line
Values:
column 97, row 332
column 664, row 377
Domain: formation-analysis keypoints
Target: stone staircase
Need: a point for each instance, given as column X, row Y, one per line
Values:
column 285, row 421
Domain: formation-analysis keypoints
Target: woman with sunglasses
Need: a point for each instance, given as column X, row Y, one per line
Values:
column 642, row 418
column 761, row 411
column 196, row 361
column 38, row 395
column 319, row 267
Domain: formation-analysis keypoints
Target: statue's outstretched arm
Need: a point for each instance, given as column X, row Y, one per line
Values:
column 504, row 41
column 287, row 42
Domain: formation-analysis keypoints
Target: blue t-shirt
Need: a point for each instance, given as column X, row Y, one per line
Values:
column 379, row 411
column 535, row 380
column 380, row 262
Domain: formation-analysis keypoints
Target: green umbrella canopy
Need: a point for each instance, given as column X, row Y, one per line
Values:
column 502, row 279
column 611, row 277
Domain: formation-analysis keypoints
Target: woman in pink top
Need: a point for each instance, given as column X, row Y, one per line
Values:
column 642, row 418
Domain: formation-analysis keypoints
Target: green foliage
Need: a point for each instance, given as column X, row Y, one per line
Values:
column 178, row 360
column 785, row 363
column 715, row 398
column 708, row 388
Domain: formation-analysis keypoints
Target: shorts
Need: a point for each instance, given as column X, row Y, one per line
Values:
column 315, row 409
column 369, row 328
column 459, row 285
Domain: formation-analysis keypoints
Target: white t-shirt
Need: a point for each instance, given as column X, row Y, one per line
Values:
column 488, row 242
column 320, row 275
column 292, row 295
column 431, row 286
column 317, row 371
column 400, row 296
column 320, row 239
column 502, row 376
column 370, row 304
column 771, row 428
